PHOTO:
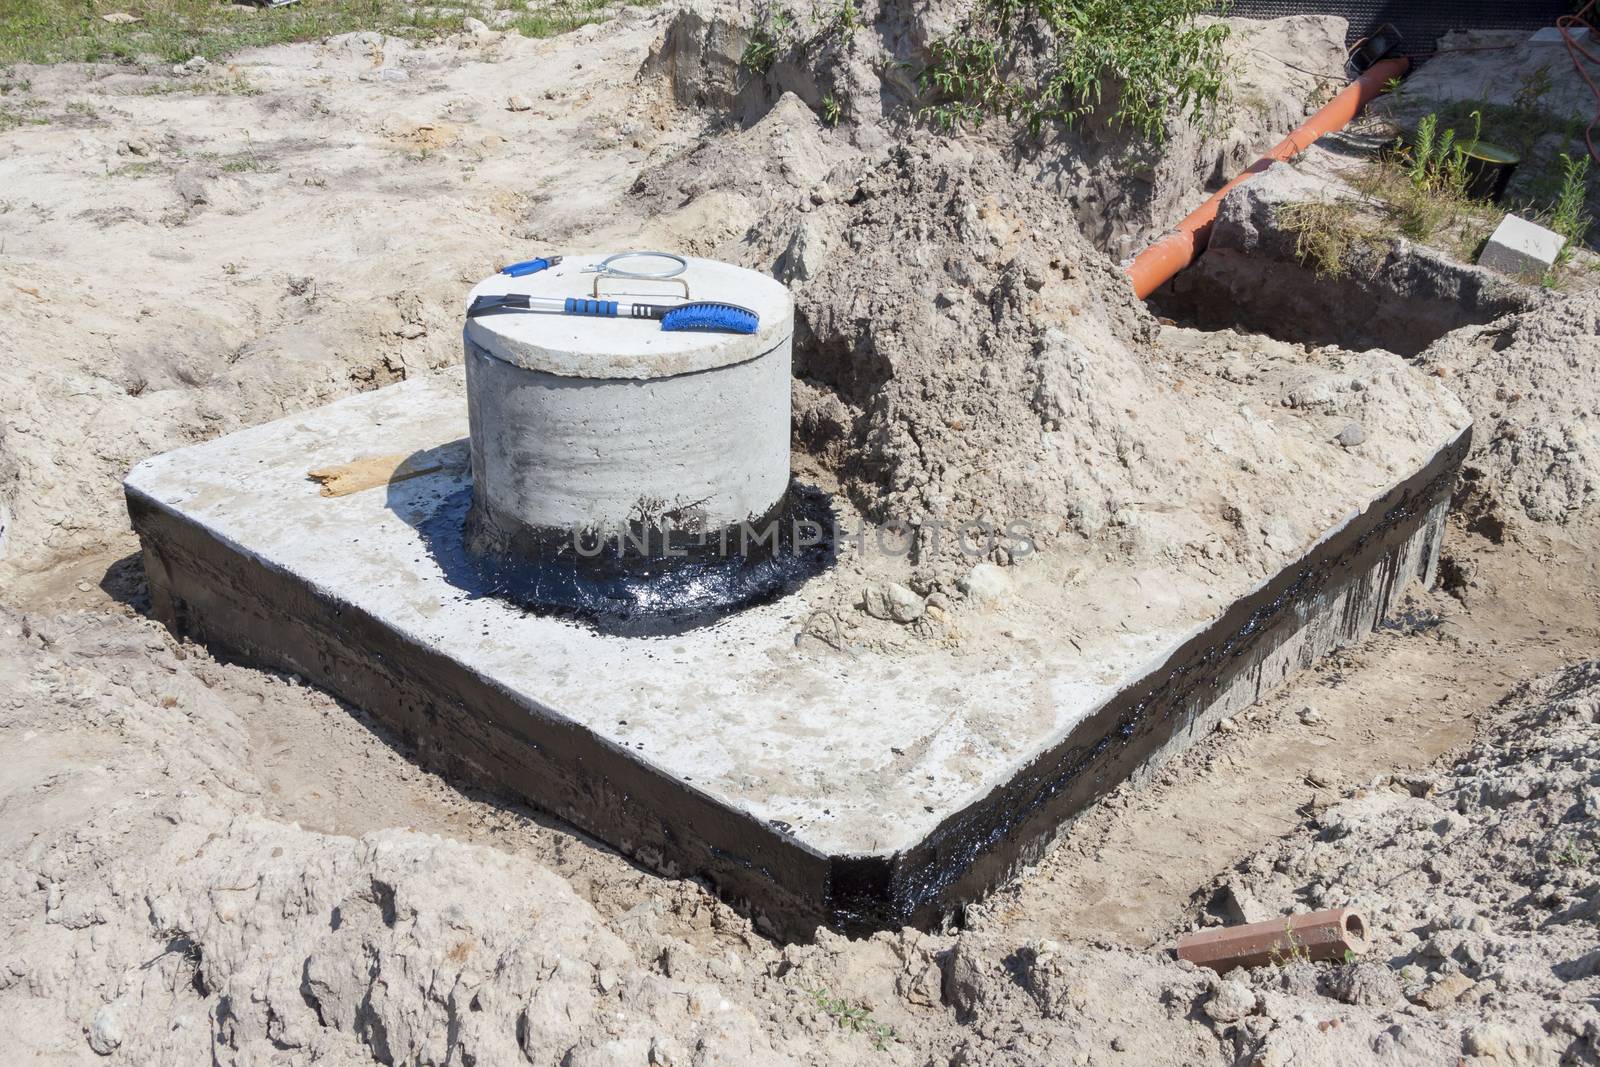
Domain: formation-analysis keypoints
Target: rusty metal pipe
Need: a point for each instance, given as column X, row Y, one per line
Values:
column 1156, row 265
column 1316, row 935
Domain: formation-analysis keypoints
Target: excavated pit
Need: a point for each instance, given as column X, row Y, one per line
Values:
column 1388, row 292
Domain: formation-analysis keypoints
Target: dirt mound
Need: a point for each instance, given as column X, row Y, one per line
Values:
column 1532, row 382
column 268, row 265
column 171, row 917
column 172, row 920
column 1478, row 880
column 963, row 355
column 856, row 65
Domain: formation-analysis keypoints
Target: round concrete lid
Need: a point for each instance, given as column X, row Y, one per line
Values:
column 581, row 346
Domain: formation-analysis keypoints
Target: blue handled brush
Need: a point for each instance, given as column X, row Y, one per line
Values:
column 697, row 315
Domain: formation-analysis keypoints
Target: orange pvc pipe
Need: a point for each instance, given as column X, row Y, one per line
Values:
column 1156, row 265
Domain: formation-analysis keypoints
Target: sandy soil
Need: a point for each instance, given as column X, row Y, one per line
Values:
column 200, row 861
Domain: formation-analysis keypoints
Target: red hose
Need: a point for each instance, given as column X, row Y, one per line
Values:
column 1567, row 24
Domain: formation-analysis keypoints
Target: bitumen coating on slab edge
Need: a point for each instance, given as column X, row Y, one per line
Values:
column 859, row 791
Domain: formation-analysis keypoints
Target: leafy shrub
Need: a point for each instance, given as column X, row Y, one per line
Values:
column 768, row 37
column 1057, row 60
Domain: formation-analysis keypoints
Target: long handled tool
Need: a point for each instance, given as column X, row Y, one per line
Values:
column 695, row 315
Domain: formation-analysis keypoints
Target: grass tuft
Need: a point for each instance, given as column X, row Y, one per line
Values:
column 1326, row 234
column 171, row 31
column 773, row 32
column 21, row 113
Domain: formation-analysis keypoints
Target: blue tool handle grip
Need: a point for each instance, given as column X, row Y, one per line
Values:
column 579, row 305
column 529, row 266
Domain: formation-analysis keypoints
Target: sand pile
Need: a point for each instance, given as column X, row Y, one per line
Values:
column 856, row 65
column 1500, row 954
column 963, row 355
column 1532, row 381
column 292, row 228
column 171, row 917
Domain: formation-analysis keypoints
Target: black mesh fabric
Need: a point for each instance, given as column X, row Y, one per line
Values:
column 1421, row 22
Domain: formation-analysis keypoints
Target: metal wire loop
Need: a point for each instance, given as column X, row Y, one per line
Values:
column 607, row 268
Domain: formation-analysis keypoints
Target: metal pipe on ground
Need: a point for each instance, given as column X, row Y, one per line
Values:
column 1157, row 264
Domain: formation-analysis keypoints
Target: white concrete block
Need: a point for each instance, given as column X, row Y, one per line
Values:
column 1521, row 249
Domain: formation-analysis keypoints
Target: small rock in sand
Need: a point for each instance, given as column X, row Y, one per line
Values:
column 1351, row 436
column 517, row 102
column 985, row 583
column 1232, row 1001
column 481, row 33
column 891, row 600
column 1446, row 991
column 105, row 1031
column 1238, row 369
column 1237, row 904
column 1368, row 983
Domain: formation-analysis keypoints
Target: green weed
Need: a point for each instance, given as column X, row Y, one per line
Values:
column 1573, row 856
column 1436, row 162
column 1569, row 217
column 1422, row 187
column 847, row 18
column 770, row 36
column 1294, row 950
column 856, row 1018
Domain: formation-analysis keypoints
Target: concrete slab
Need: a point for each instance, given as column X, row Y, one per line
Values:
column 860, row 789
